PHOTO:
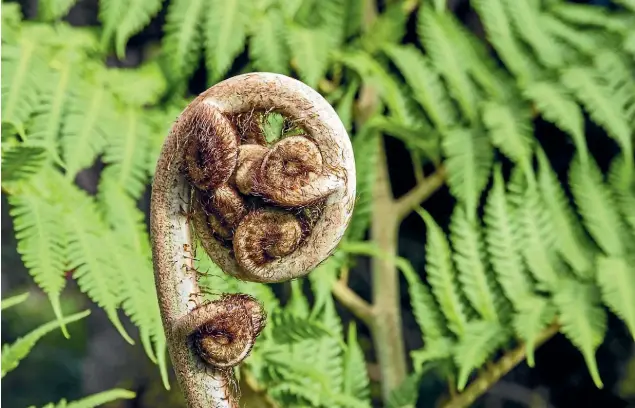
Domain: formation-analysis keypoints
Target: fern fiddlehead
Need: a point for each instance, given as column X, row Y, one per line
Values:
column 263, row 210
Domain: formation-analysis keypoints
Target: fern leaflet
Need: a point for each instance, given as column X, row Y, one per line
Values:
column 183, row 41
column 616, row 279
column 355, row 376
column 510, row 130
column 267, row 47
column 533, row 315
column 310, row 51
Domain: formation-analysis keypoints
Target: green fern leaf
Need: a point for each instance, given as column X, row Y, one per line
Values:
column 583, row 41
column 21, row 82
column 469, row 258
column 183, row 39
column 583, row 321
column 534, row 314
column 225, row 34
column 388, row 28
column 323, row 278
column 405, row 396
column 267, row 47
column 510, row 130
column 310, row 50
column 41, row 239
column 13, row 300
column 623, row 191
column 571, row 239
column 556, row 106
column 333, row 20
column 110, row 14
column 355, row 376
column 427, row 87
column 138, row 14
column 441, row 276
column 597, row 207
column 596, row 97
column 51, row 10
column 589, row 15
column 616, row 279
column 435, row 350
column 619, row 76
column 468, row 160
column 480, row 341
column 12, row 354
column 96, row 400
column 629, row 4
column 22, row 162
column 344, row 106
column 446, row 61
column 141, row 86
column 629, row 44
column 289, row 328
column 529, row 25
column 418, row 135
column 502, row 244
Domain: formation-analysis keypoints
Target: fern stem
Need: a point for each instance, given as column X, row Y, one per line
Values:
column 494, row 373
column 353, row 302
column 424, row 189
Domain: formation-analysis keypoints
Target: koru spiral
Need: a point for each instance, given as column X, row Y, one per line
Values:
column 263, row 210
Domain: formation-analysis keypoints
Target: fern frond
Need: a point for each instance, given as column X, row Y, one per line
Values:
column 597, row 99
column 355, row 376
column 533, row 315
column 528, row 23
column 468, row 160
column 405, row 396
column 582, row 41
column 388, row 28
column 101, row 398
column 137, row 87
column 426, row 84
column 51, row 10
column 446, row 61
column 616, row 279
column 510, row 130
column 556, row 106
column 21, row 81
column 583, row 321
column 22, row 162
column 623, row 191
column 344, row 106
column 589, row 15
column 289, row 328
column 183, row 39
column 333, row 20
column 225, row 34
column 478, row 286
column 571, row 240
column 267, row 48
column 435, row 350
column 138, row 14
column 12, row 354
column 480, row 341
column 418, row 136
column 597, row 207
column 323, row 278
column 13, row 300
column 501, row 236
column 110, row 13
column 39, row 231
column 619, row 75
column 441, row 276
column 310, row 51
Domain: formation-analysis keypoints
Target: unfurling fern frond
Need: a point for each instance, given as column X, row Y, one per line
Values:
column 616, row 278
column 604, row 109
column 355, row 376
column 583, row 320
column 571, row 239
column 21, row 162
column 478, row 286
column 556, row 106
column 225, row 34
column 310, row 53
column 183, row 41
column 447, row 61
column 510, row 130
column 597, row 207
column 481, row 339
column 468, row 160
column 441, row 276
column 39, row 230
column 533, row 315
column 268, row 46
column 502, row 237
column 12, row 354
column 426, row 84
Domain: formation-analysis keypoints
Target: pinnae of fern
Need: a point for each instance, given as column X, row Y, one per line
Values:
column 264, row 211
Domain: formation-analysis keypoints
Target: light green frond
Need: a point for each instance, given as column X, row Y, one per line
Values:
column 480, row 341
column 268, row 47
column 584, row 42
column 333, row 20
column 556, row 106
column 629, row 4
column 529, row 25
column 435, row 350
column 589, row 15
column 309, row 48
column 583, row 321
column 447, row 61
column 388, row 28
column 619, row 75
column 441, row 275
column 22, row 82
column 344, row 107
column 623, row 191
column 616, row 278
column 537, row 240
column 510, row 130
column 13, row 353
column 533, row 315
column 13, row 300
column 323, row 278
column 405, row 396
column 597, row 207
column 571, row 239
column 501, row 236
column 629, row 44
column 328, row 353
column 427, row 87
column 468, row 161
column 110, row 13
column 289, row 329
column 39, row 230
column 478, row 286
column 418, row 136
column 51, row 10
column 597, row 98
column 22, row 162
column 355, row 375
column 225, row 34
column 140, row 86
column 126, row 152
column 183, row 39
column 137, row 15
column 101, row 398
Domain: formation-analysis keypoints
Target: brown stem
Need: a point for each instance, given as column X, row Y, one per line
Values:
column 405, row 204
column 494, row 373
column 351, row 300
